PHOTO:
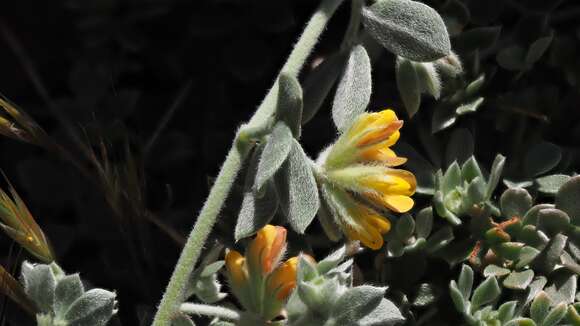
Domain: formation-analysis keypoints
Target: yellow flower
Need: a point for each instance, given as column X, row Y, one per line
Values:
column 260, row 282
column 359, row 178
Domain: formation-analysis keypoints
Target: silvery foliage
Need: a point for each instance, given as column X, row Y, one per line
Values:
column 62, row 300
column 324, row 296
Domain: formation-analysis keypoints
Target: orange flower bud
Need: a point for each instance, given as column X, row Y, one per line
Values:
column 267, row 248
column 283, row 280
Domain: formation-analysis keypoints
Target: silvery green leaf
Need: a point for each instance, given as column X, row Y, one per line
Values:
column 512, row 58
column 297, row 189
column 535, row 287
column 563, row 287
column 354, row 89
column 475, row 86
column 506, row 311
column 470, row 170
column 68, row 289
column 550, row 255
column 405, row 227
column 94, row 308
column 289, row 107
column 538, row 48
column 457, row 297
column 517, row 184
column 424, row 222
column 509, row 250
column 386, row 313
column 486, row 292
column 452, row 178
column 429, row 79
column 356, row 303
column 326, row 219
column 274, row 154
column 450, row 66
column 440, row 239
column 306, row 270
column 332, row 260
column 494, row 270
column 495, row 174
column 540, row 307
column 310, row 294
column 567, row 199
column 556, row 315
column 212, row 268
column 541, row 158
column 465, row 281
column 460, row 146
column 518, row 280
column 476, row 191
column 443, row 117
column 553, row 221
column 550, row 184
column 476, row 38
column 39, row 285
column 531, row 216
column 256, row 211
column 521, row 322
column 527, row 255
column 319, row 83
column 469, row 107
column 515, row 202
column 407, row 28
column 409, row 85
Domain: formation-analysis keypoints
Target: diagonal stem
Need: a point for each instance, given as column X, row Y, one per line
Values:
column 173, row 296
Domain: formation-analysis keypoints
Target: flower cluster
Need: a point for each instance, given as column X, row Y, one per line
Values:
column 358, row 178
column 259, row 280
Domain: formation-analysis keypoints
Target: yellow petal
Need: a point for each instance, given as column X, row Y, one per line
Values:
column 378, row 134
column 283, row 279
column 235, row 265
column 398, row 203
column 381, row 223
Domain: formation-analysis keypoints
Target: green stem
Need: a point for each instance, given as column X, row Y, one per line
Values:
column 174, row 294
column 209, row 310
column 351, row 35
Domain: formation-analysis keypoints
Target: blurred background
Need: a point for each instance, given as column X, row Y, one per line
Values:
column 145, row 97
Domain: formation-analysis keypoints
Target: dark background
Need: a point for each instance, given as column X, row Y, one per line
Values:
column 110, row 71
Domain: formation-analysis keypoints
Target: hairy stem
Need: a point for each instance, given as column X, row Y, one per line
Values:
column 173, row 296
column 208, row 310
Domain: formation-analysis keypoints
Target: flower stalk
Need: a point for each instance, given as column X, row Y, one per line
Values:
column 173, row 296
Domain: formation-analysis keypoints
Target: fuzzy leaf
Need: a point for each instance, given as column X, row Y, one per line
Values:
column 274, row 154
column 289, row 107
column 469, row 107
column 256, row 211
column 386, row 313
column 424, row 223
column 515, row 202
column 354, row 89
column 298, row 190
column 470, row 170
column 457, row 297
column 495, row 174
column 540, row 307
column 494, row 270
column 409, row 29
column 550, row 184
column 39, row 285
column 486, row 292
column 68, row 289
column 553, row 221
column 550, row 255
column 465, row 282
column 506, row 311
column 519, row 280
column 356, row 303
column 452, row 178
column 332, row 260
column 526, row 256
column 556, row 315
column 408, row 85
column 567, row 199
column 563, row 287
column 429, row 79
column 94, row 308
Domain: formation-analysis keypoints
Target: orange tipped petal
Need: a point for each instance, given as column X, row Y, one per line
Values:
column 267, row 247
column 379, row 134
column 283, row 280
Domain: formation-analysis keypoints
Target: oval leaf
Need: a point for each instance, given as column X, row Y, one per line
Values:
column 409, row 29
column 354, row 89
column 274, row 154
